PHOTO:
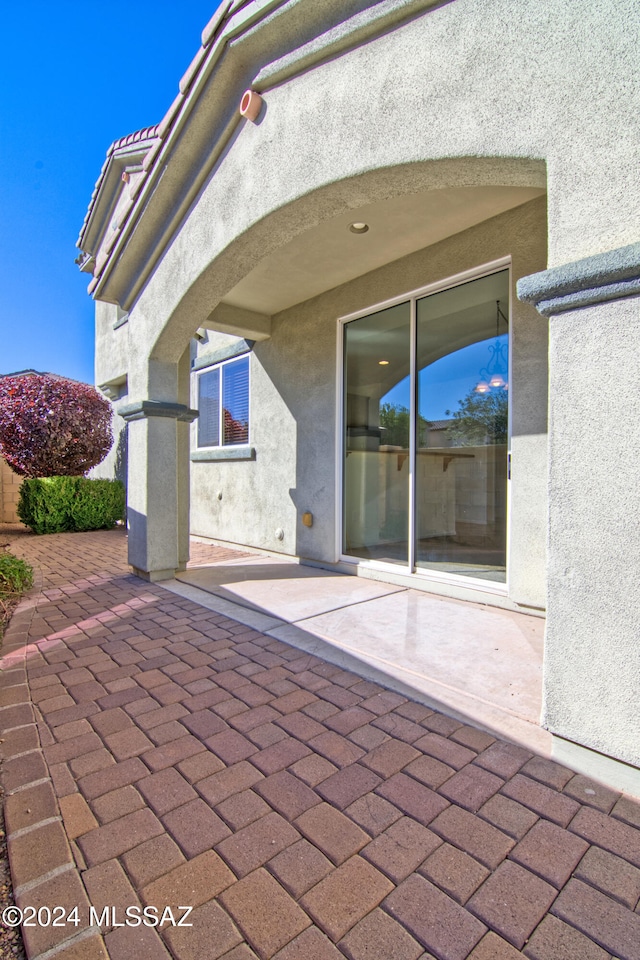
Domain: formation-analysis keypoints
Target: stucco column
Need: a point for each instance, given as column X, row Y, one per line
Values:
column 592, row 654
column 158, row 486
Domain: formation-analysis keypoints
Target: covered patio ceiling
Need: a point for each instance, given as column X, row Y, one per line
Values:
column 330, row 254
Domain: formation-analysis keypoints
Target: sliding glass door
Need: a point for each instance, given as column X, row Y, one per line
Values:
column 426, row 430
column 377, row 436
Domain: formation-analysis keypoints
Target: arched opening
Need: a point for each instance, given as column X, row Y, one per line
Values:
column 271, row 308
column 284, row 256
column 275, row 296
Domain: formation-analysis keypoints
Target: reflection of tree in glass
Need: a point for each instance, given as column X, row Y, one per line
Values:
column 395, row 423
column 481, row 419
column 235, row 431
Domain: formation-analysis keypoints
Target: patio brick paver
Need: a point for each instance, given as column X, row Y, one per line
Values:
column 158, row 753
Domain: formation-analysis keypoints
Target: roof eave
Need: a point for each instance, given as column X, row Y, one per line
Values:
column 237, row 56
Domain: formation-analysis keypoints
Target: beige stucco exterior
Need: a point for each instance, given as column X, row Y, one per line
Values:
column 294, row 391
column 464, row 134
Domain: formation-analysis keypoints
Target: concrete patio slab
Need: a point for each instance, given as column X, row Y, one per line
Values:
column 483, row 663
column 492, row 655
column 282, row 588
column 212, row 601
column 418, row 685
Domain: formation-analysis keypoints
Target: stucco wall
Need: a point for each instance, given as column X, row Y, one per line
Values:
column 112, row 344
column 465, row 80
column 592, row 655
column 468, row 93
column 111, row 369
column 114, row 465
column 293, row 409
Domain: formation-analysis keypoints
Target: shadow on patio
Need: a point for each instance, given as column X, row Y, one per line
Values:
column 478, row 663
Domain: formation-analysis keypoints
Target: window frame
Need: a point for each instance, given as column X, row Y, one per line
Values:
column 221, row 447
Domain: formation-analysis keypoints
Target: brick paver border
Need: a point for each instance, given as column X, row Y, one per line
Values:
column 158, row 754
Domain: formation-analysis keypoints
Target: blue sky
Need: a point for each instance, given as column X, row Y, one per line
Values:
column 445, row 383
column 74, row 77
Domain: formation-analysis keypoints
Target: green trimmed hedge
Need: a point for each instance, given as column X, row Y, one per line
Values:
column 59, row 504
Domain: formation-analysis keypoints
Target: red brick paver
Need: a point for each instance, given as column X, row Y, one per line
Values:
column 158, row 754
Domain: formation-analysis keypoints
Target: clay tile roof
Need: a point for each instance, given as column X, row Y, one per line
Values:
column 139, row 136
column 158, row 131
column 147, row 133
column 38, row 373
column 19, row 373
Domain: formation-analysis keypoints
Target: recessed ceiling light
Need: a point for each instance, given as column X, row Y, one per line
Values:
column 383, row 363
column 358, row 227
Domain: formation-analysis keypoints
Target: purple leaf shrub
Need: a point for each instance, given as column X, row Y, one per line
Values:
column 51, row 426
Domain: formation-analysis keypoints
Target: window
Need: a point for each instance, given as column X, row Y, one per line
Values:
column 223, row 402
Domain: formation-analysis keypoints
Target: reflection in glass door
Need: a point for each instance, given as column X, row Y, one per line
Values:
column 377, row 409
column 461, row 451
column 426, row 431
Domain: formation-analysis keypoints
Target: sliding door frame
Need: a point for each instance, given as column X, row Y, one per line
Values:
column 410, row 569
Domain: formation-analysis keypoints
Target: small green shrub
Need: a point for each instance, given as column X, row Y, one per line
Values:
column 98, row 504
column 16, row 576
column 59, row 504
column 45, row 503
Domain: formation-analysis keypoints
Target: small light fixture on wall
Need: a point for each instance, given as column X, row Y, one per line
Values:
column 359, row 227
column 492, row 377
column 383, row 363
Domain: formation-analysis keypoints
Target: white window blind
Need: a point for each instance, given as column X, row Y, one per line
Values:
column 235, row 402
column 209, row 407
column 223, row 404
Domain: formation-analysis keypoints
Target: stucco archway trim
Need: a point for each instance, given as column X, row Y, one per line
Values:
column 209, row 275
